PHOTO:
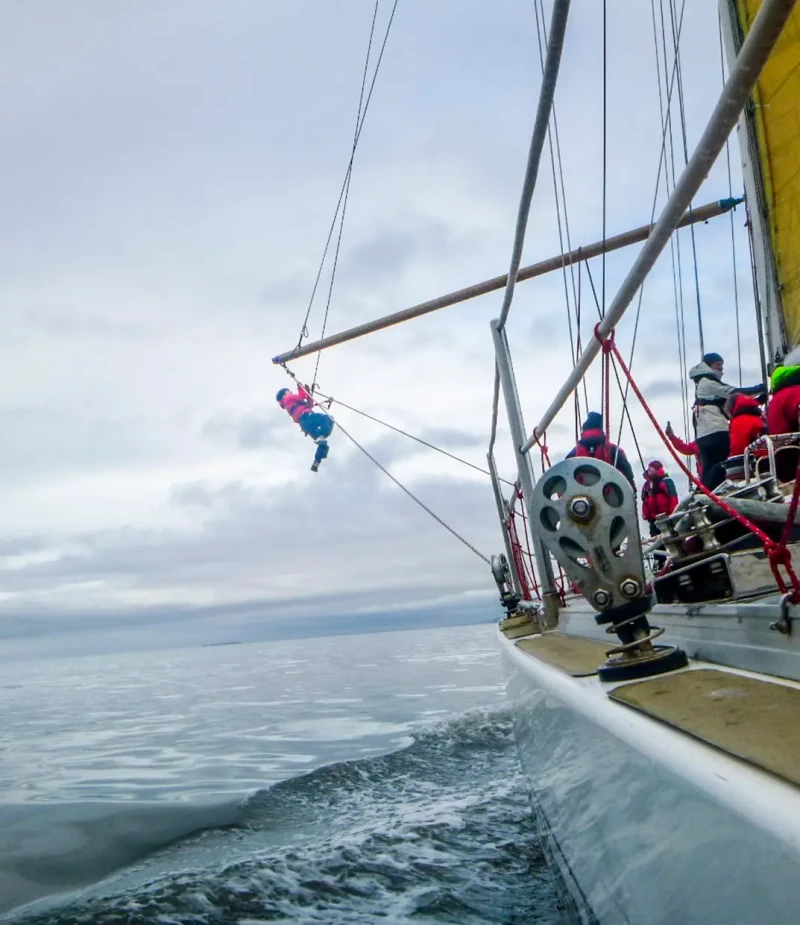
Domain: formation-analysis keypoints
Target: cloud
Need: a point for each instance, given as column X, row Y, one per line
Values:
column 166, row 196
column 250, row 431
column 19, row 545
column 63, row 322
column 662, row 388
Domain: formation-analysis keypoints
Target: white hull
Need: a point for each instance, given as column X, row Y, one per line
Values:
column 650, row 825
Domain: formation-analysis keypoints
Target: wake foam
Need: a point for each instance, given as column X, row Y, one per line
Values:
column 438, row 831
column 52, row 847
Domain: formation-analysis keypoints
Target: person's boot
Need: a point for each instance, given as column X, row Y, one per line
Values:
column 322, row 452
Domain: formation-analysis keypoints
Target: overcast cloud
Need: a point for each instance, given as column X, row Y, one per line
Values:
column 169, row 172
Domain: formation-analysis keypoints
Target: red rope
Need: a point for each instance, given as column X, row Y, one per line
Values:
column 529, row 552
column 519, row 561
column 561, row 581
column 778, row 553
column 543, row 449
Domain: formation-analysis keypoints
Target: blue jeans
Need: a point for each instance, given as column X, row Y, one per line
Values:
column 322, row 452
column 316, row 425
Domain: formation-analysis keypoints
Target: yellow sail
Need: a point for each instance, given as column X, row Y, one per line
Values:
column 777, row 124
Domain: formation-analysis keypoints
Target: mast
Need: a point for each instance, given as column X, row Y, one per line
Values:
column 763, row 147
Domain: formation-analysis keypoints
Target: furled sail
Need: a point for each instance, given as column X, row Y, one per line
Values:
column 773, row 146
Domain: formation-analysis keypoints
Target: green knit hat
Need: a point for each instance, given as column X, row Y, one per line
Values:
column 782, row 373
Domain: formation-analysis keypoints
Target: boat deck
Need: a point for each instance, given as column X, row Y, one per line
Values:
column 738, row 634
column 578, row 657
column 750, row 717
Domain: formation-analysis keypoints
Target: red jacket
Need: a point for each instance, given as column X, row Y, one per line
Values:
column 297, row 403
column 747, row 424
column 593, row 443
column 784, row 410
column 688, row 449
column 659, row 496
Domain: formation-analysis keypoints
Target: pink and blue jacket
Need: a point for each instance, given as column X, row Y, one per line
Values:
column 297, row 403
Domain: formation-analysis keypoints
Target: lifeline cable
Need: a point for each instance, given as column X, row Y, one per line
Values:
column 404, row 433
column 413, row 497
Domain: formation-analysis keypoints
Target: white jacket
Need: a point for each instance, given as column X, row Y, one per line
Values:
column 710, row 394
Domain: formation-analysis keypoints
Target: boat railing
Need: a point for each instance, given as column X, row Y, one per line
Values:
column 770, row 448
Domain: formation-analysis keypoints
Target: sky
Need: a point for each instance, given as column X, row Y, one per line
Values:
column 168, row 174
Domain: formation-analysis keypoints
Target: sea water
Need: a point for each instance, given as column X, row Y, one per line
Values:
column 347, row 779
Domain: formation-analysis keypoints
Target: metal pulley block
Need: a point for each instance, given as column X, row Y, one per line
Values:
column 584, row 511
column 502, row 576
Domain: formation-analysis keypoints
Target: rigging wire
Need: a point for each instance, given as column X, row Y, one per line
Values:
column 345, row 183
column 605, row 139
column 540, row 127
column 578, row 351
column 330, row 400
column 560, row 196
column 605, row 360
column 682, row 111
column 413, row 497
column 348, row 178
column 359, row 124
column 667, row 117
column 666, row 125
column 623, row 392
column 675, row 242
column 733, row 230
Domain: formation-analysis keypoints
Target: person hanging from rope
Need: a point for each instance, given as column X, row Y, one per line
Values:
column 688, row 449
column 659, row 496
column 315, row 424
column 593, row 443
column 710, row 420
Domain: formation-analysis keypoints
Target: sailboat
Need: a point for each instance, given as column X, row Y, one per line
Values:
column 657, row 709
column 666, row 768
